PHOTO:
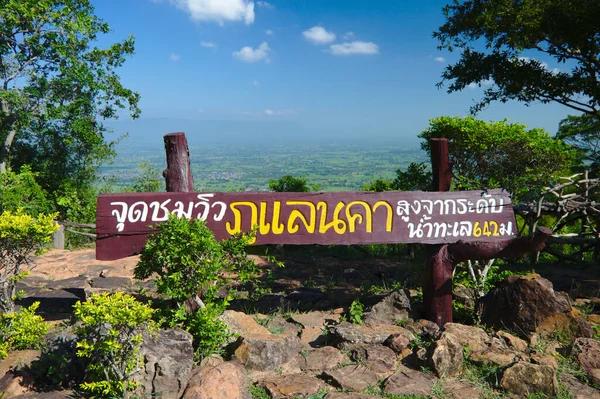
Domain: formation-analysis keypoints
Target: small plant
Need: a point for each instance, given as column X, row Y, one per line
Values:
column 21, row 237
column 110, row 337
column 356, row 312
column 191, row 267
column 21, row 330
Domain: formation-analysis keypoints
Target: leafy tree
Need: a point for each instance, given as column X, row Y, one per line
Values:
column 416, row 177
column 499, row 154
column 21, row 190
column 56, row 89
column 498, row 38
column 583, row 133
column 291, row 184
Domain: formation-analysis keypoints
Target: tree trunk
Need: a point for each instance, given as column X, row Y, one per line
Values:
column 5, row 149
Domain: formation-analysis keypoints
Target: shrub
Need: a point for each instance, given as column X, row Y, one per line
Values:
column 21, row 330
column 356, row 312
column 190, row 263
column 21, row 237
column 191, row 267
column 110, row 337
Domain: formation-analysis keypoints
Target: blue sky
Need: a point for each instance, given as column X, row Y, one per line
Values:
column 362, row 68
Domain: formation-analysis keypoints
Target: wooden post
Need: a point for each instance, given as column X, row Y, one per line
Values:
column 437, row 287
column 58, row 237
column 178, row 174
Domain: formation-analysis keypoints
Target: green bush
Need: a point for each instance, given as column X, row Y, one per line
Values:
column 21, row 237
column 110, row 337
column 190, row 263
column 21, row 190
column 21, row 330
column 191, row 267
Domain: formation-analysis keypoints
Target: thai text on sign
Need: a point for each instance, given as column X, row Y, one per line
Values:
column 312, row 218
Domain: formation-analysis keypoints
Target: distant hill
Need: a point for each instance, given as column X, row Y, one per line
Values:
column 149, row 131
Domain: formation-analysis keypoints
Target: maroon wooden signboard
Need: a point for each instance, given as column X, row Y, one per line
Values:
column 124, row 220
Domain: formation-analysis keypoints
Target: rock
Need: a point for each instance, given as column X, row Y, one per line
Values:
column 424, row 328
column 45, row 395
column 110, row 283
column 409, row 382
column 81, row 282
column 18, row 360
column 266, row 352
column 392, row 309
column 378, row 358
column 368, row 335
column 587, row 353
column 15, row 383
column 315, row 319
column 242, row 324
column 457, row 389
column 475, row 338
column 447, row 356
column 526, row 304
column 349, row 395
column 313, row 337
column 355, row 377
column 227, row 380
column 463, row 295
column 322, row 359
column 211, row 361
column 526, row 378
column 306, row 298
column 292, row 386
column 512, row 341
column 279, row 325
column 55, row 301
column 397, row 342
column 168, row 360
column 577, row 389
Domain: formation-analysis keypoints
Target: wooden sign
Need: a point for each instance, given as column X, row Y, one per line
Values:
column 124, row 220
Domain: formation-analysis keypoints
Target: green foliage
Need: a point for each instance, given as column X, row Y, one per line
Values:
column 21, row 190
column 498, row 38
column 499, row 154
column 291, row 184
column 21, row 237
column 57, row 88
column 189, row 261
column 582, row 132
column 190, row 265
column 209, row 332
column 356, row 312
column 109, row 337
column 416, row 177
column 21, row 330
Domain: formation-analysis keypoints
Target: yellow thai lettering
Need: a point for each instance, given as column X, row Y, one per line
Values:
column 353, row 218
column 293, row 226
column 390, row 214
column 339, row 225
column 237, row 228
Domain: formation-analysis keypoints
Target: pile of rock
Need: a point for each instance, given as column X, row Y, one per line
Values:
column 303, row 354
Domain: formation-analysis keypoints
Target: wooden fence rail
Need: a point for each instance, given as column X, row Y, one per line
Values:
column 58, row 237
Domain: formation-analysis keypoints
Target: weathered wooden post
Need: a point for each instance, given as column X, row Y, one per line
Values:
column 437, row 287
column 178, row 174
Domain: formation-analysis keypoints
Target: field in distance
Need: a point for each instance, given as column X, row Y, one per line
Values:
column 339, row 166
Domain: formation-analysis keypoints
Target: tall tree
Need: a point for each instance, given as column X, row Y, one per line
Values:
column 56, row 89
column 498, row 38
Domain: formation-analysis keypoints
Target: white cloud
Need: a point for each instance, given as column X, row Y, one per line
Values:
column 348, row 35
column 319, row 35
column 483, row 83
column 264, row 4
column 218, row 10
column 255, row 83
column 439, row 59
column 269, row 32
column 270, row 112
column 354, row 48
column 250, row 55
column 208, row 44
column 175, row 57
